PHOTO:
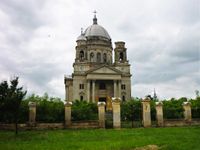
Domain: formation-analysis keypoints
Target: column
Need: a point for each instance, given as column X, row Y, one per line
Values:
column 187, row 111
column 32, row 113
column 68, row 114
column 88, row 90
column 101, row 112
column 119, row 87
column 159, row 113
column 116, row 113
column 146, row 112
column 115, row 88
column 66, row 92
column 93, row 90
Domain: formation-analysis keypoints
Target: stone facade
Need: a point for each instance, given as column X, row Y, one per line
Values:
column 96, row 77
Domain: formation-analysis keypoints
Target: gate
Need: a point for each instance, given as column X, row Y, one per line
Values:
column 131, row 114
column 108, row 119
column 84, row 115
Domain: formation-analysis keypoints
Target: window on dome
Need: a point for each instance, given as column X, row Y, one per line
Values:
column 92, row 57
column 98, row 57
column 104, row 58
column 81, row 55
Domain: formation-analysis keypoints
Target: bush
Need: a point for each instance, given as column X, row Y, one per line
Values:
column 131, row 110
column 195, row 104
column 82, row 110
column 173, row 109
column 49, row 109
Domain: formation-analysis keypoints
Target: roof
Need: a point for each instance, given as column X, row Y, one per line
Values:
column 96, row 30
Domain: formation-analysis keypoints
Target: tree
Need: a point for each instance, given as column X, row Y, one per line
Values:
column 10, row 101
column 197, row 93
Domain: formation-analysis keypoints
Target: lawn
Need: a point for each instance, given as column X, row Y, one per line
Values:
column 183, row 138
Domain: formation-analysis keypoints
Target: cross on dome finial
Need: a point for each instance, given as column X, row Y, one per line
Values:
column 81, row 31
column 95, row 18
column 95, row 12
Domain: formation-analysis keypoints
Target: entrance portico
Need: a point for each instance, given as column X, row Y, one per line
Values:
column 103, row 87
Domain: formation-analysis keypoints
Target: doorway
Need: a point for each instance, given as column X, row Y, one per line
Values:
column 102, row 99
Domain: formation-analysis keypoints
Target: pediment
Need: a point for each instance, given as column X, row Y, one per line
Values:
column 105, row 70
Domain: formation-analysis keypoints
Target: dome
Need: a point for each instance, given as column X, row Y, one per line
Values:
column 96, row 30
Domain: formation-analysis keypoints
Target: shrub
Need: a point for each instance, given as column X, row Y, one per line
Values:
column 82, row 110
column 131, row 110
column 49, row 109
column 173, row 108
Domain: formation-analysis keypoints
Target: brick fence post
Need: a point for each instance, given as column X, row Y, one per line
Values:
column 116, row 112
column 159, row 114
column 146, row 111
column 101, row 113
column 68, row 114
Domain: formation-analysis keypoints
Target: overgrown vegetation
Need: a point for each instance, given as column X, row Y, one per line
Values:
column 172, row 109
column 82, row 110
column 51, row 109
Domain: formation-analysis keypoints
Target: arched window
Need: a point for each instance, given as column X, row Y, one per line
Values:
column 123, row 98
column 98, row 57
column 104, row 58
column 81, row 97
column 121, row 56
column 92, row 57
column 81, row 55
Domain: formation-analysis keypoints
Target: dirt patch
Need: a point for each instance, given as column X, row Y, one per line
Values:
column 148, row 147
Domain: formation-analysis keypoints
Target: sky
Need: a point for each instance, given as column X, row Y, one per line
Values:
column 38, row 39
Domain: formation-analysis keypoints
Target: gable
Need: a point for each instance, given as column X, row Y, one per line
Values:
column 105, row 70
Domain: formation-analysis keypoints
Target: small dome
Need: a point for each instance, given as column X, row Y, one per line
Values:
column 96, row 30
column 81, row 37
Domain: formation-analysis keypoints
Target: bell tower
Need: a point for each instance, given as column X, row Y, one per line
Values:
column 120, row 52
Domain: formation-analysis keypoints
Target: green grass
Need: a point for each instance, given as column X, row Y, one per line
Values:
column 125, row 139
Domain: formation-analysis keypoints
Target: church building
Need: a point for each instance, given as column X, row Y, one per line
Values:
column 96, row 76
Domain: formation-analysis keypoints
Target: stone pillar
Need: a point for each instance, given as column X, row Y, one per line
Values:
column 159, row 114
column 119, row 87
column 115, row 88
column 68, row 114
column 93, row 90
column 116, row 112
column 66, row 92
column 32, row 113
column 101, row 112
column 146, row 112
column 187, row 111
column 88, row 90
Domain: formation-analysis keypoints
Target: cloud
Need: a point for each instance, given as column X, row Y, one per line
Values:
column 38, row 40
